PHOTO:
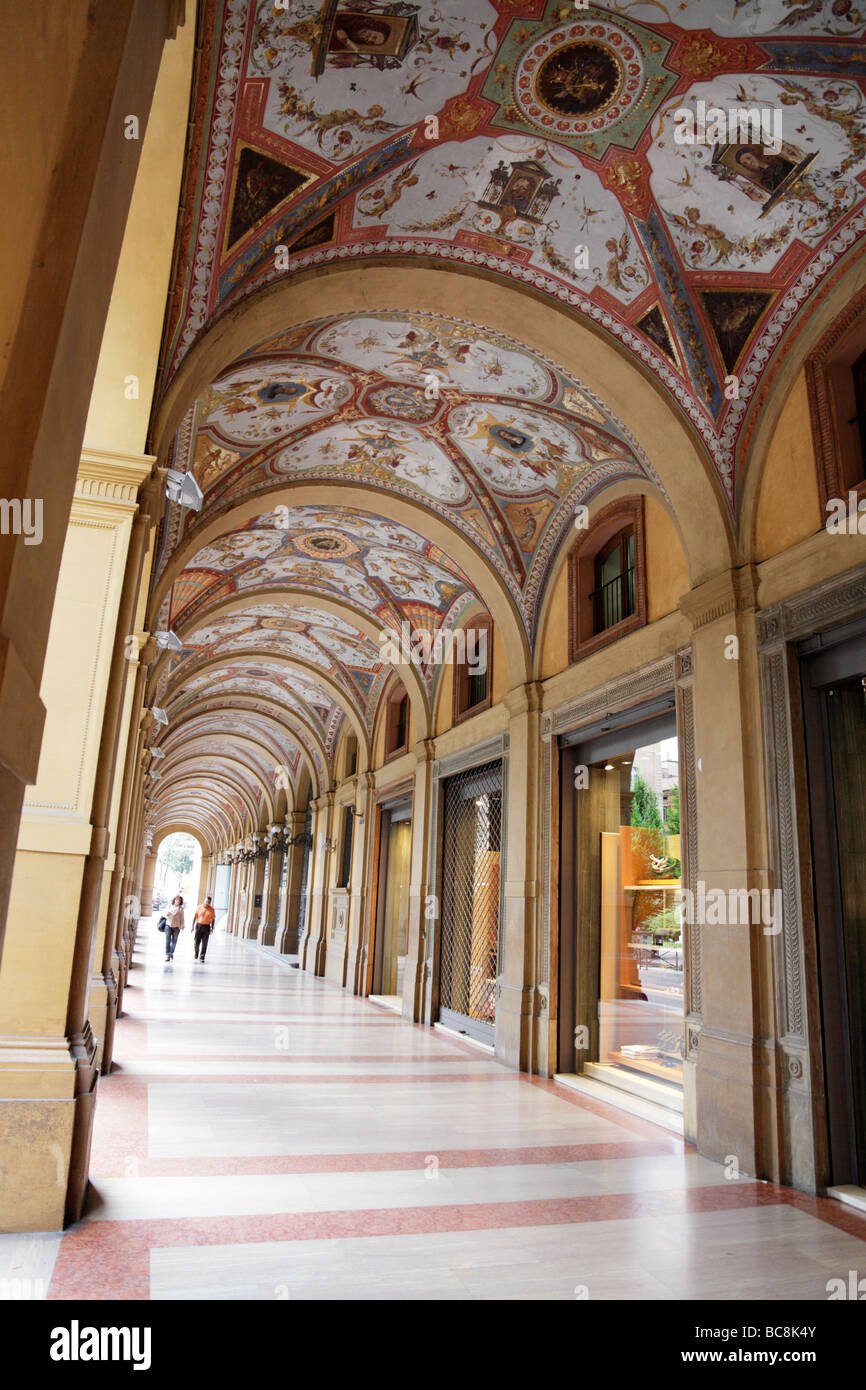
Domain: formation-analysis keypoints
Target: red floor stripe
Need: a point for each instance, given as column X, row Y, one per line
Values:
column 107, row 1259
column 114, row 1159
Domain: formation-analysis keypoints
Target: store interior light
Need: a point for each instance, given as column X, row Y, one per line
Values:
column 609, row 767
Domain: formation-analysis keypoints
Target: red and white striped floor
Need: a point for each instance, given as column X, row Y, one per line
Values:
column 266, row 1136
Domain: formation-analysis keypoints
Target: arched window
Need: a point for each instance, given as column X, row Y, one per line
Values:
column 472, row 655
column 397, row 722
column 607, row 578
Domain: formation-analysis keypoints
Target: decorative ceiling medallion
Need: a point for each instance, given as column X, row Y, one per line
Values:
column 414, row 403
column 579, row 79
column 326, row 545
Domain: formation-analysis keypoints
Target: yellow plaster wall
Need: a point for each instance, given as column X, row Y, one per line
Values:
column 554, row 639
column 37, row 954
column 667, row 569
column 76, row 666
column 379, row 736
column 788, row 507
column 667, row 581
column 37, row 85
column 130, row 344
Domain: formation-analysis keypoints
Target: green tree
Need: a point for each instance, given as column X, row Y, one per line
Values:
column 176, row 854
column 672, row 814
column 644, row 805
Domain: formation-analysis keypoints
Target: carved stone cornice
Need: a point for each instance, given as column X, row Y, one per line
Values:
column 734, row 591
column 110, row 478
column 824, row 605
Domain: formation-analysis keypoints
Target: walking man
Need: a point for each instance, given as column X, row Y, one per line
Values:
column 204, row 922
column 174, row 924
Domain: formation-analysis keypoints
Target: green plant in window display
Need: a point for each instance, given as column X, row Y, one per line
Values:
column 644, row 805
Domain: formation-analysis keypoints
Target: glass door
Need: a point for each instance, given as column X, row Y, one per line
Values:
column 834, row 697
column 622, row 992
column 393, row 922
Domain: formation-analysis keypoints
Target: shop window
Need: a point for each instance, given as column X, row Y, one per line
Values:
column 397, row 723
column 345, row 872
column 607, row 578
column 473, row 668
column 625, row 972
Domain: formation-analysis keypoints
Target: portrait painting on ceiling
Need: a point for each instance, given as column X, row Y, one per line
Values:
column 733, row 314
column 526, row 190
column 578, row 79
column 261, row 184
column 766, row 175
column 379, row 36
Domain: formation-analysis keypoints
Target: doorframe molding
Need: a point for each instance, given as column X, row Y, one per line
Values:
column 490, row 750
column 780, row 629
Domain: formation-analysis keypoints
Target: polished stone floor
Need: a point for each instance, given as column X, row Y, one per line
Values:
column 266, row 1136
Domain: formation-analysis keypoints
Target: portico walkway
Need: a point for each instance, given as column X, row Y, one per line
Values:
column 266, row 1136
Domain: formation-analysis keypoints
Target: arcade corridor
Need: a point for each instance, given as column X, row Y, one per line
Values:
column 330, row 1150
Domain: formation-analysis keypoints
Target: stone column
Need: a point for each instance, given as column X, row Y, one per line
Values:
column 422, row 922
column 255, row 889
column 730, row 1020
column 362, row 883
column 66, row 145
column 291, row 928
column 64, row 846
column 314, row 944
column 521, row 1008
column 267, row 927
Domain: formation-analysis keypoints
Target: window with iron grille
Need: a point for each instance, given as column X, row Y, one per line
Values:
column 473, row 673
column 607, row 589
column 470, row 900
column 613, row 596
column 397, row 722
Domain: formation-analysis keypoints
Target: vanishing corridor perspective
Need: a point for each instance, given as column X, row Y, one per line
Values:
column 268, row 1136
column 432, row 545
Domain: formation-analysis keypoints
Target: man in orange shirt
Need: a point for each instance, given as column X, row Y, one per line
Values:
column 203, row 921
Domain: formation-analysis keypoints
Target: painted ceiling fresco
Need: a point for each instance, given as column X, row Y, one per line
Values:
column 551, row 160
column 532, row 139
column 489, row 436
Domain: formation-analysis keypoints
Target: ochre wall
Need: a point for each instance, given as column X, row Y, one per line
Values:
column 667, row 581
column 788, row 507
column 667, row 570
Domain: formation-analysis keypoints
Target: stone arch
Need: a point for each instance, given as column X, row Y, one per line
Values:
column 770, row 401
column 199, row 743
column 328, row 684
column 582, row 349
column 485, row 581
column 283, row 720
column 241, row 603
column 626, row 488
column 220, row 777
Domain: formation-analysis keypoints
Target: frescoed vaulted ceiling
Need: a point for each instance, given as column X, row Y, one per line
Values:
column 552, row 161
column 530, row 141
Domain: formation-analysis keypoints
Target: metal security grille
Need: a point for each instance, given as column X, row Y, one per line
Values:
column 469, row 950
column 305, row 872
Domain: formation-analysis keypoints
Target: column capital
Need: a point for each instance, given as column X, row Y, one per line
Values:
column 524, row 699
column 110, row 482
column 734, row 591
